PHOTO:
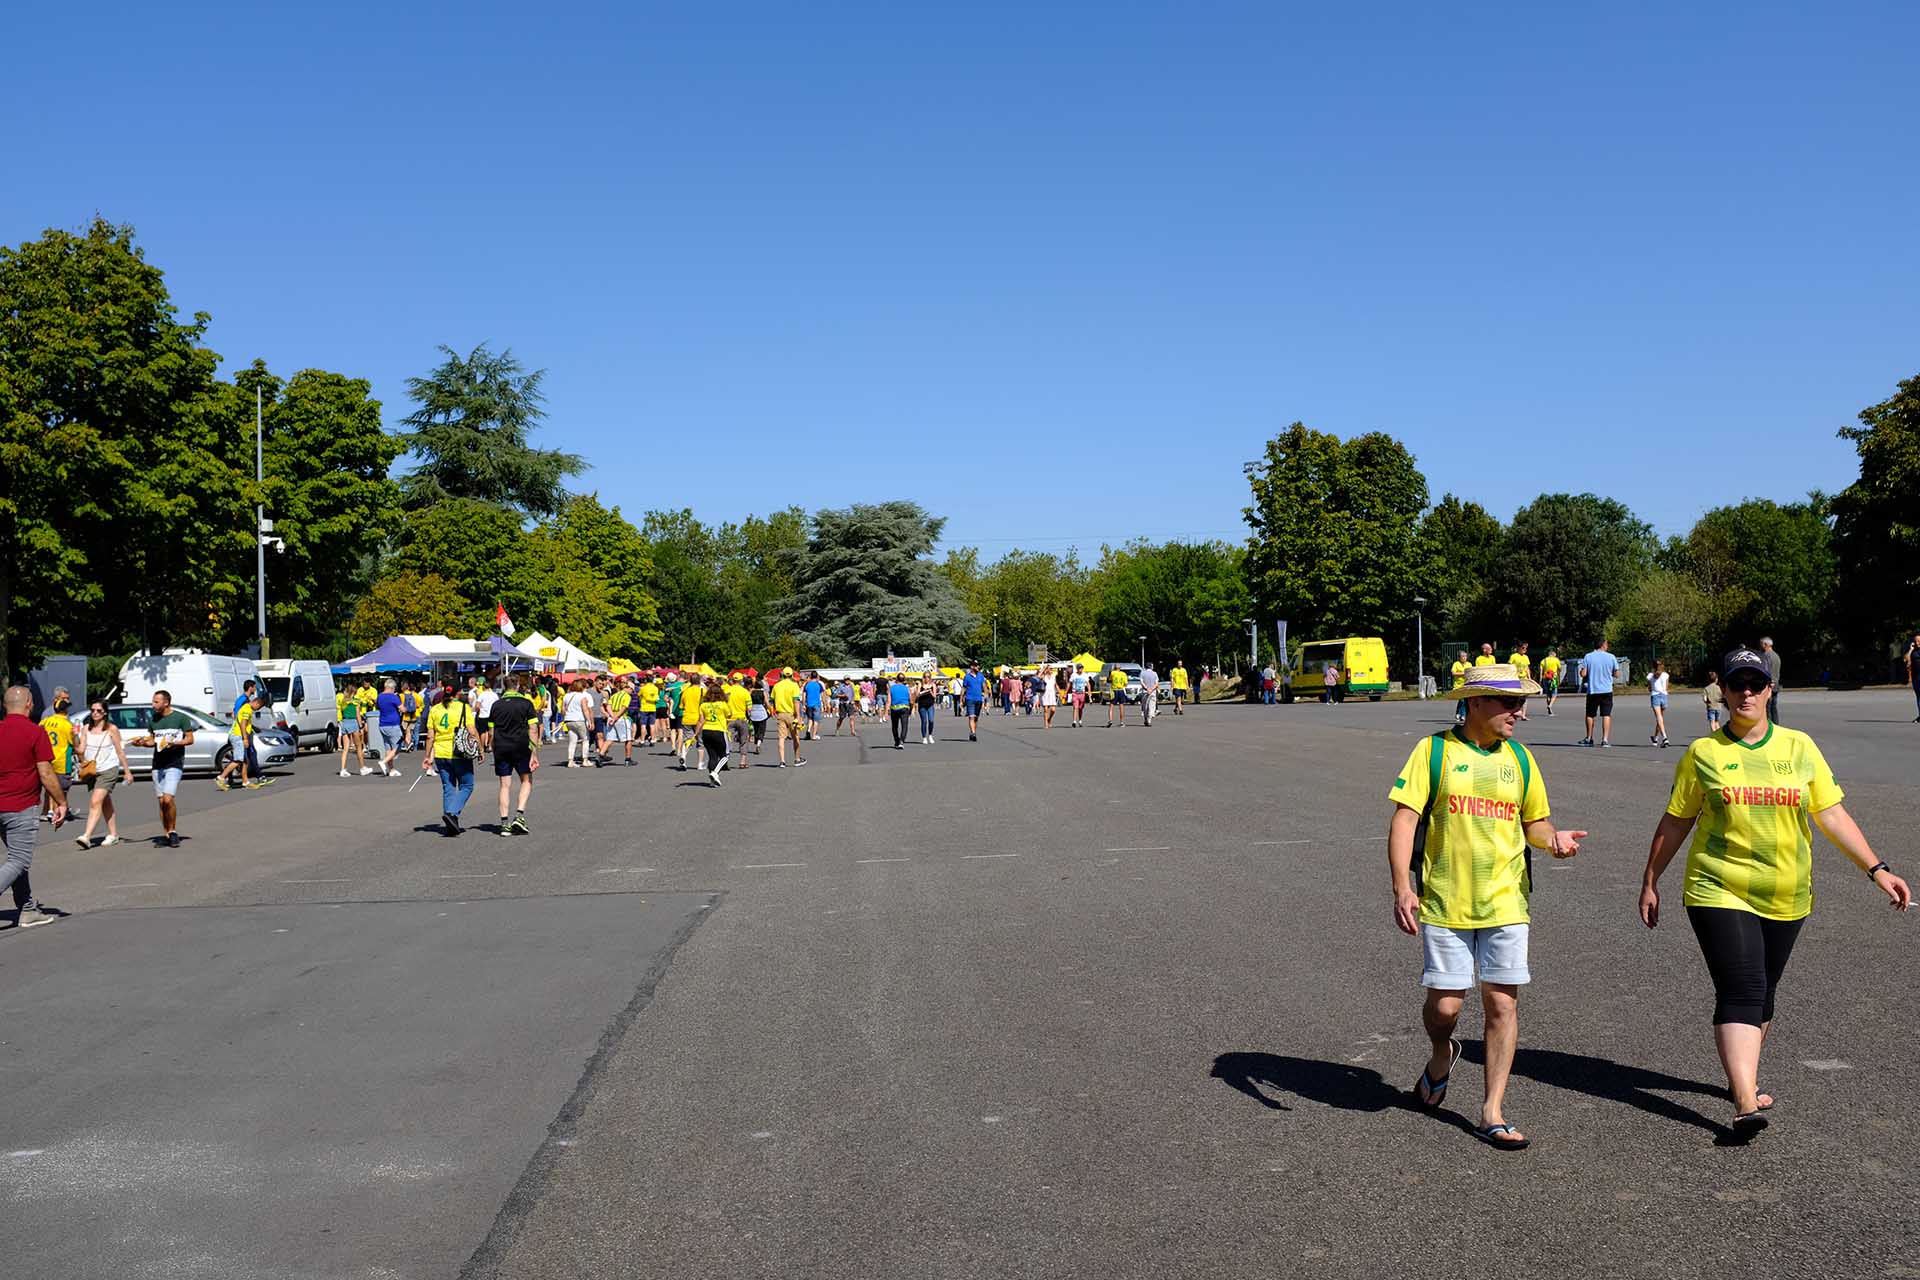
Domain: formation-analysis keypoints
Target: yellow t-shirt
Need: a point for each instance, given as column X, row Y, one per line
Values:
column 1522, row 661
column 713, row 715
column 1475, row 875
column 1549, row 668
column 1117, row 678
column 242, row 721
column 1459, row 672
column 617, row 704
column 1752, row 844
column 738, row 700
column 784, row 695
column 690, row 704
column 443, row 721
column 1484, row 660
column 1180, row 678
column 649, row 697
column 60, row 737
column 366, row 697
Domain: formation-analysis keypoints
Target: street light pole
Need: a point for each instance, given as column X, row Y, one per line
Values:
column 1253, row 645
column 1419, row 646
column 996, row 637
column 260, row 523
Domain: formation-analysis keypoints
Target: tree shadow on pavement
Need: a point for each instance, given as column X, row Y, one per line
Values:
column 1607, row 1080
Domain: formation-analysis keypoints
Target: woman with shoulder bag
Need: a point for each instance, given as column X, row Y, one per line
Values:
column 451, row 755
column 103, row 766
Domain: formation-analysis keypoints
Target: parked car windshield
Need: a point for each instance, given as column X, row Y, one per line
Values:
column 278, row 687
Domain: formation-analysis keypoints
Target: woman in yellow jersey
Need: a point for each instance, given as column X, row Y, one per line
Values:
column 714, row 713
column 449, row 715
column 1752, row 788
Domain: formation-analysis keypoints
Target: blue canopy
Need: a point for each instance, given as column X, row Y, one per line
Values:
column 397, row 654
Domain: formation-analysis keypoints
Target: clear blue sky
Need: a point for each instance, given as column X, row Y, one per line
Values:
column 1548, row 249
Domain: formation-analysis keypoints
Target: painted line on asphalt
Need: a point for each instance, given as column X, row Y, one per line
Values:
column 989, row 855
column 1827, row 1064
column 144, row 884
column 765, row 866
column 1259, row 843
column 469, row 875
column 869, row 861
column 316, row 882
column 1145, row 848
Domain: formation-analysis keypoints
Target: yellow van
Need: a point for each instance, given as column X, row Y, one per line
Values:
column 1362, row 661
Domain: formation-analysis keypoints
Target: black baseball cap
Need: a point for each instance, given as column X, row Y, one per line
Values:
column 1744, row 660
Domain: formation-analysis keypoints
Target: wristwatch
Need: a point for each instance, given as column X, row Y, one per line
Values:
column 1876, row 869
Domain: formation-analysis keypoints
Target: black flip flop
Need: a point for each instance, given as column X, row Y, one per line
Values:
column 1748, row 1123
column 1498, row 1136
column 1436, row 1090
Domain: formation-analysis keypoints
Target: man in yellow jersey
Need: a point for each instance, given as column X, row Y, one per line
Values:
column 1520, row 662
column 649, row 699
column 738, row 701
column 786, row 692
column 59, row 731
column 1116, row 695
column 237, row 739
column 1550, row 677
column 1755, row 789
column 1182, row 685
column 619, row 727
column 1485, row 657
column 690, row 698
column 1482, row 802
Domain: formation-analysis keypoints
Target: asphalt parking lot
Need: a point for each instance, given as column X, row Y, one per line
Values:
column 1102, row 1002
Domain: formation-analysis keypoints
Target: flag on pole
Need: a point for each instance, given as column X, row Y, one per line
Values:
column 505, row 623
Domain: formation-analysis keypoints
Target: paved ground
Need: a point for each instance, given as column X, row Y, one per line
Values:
column 1122, row 1003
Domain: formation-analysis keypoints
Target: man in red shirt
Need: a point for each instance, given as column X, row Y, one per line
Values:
column 26, row 772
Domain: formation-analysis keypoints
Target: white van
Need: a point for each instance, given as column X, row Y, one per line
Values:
column 302, row 693
column 209, row 683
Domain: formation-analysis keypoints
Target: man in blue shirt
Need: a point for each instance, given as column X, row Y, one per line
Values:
column 973, row 691
column 1599, row 668
column 813, row 690
column 899, row 708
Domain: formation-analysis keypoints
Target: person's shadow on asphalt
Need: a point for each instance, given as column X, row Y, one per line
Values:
column 1334, row 1084
column 1352, row 1088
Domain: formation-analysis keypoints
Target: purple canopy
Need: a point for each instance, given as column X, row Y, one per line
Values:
column 396, row 652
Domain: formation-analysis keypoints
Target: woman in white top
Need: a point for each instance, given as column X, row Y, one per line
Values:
column 1657, row 694
column 1049, row 700
column 97, row 743
column 579, row 709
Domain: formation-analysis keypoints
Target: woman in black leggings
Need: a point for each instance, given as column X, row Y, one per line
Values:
column 1755, row 789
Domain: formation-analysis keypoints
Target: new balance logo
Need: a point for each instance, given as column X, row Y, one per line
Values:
column 1734, row 767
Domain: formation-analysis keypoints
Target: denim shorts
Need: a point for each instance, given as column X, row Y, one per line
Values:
column 1453, row 956
column 392, row 735
column 1659, row 699
column 166, row 782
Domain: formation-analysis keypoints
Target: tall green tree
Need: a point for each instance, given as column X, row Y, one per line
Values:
column 1333, row 524
column 1763, row 568
column 1565, row 564
column 470, row 430
column 116, row 506
column 866, row 584
column 1877, row 529
column 684, row 581
column 618, row 558
column 1038, row 597
column 1187, row 599
column 407, row 602
column 1456, row 547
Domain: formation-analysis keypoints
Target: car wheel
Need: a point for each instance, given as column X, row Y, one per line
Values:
column 222, row 758
column 333, row 738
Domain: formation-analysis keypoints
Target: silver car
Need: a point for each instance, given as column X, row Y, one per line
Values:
column 211, row 748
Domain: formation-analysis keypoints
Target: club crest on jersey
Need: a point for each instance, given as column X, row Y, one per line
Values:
column 1506, row 773
column 1783, row 766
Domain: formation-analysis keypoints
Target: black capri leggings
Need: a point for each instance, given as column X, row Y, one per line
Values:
column 1746, row 954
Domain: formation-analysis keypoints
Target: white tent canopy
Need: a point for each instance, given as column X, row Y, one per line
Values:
column 572, row 657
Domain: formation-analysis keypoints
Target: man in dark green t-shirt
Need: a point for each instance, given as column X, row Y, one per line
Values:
column 169, row 733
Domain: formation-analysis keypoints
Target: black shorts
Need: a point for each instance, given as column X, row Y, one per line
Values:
column 506, row 764
column 1599, row 704
column 481, row 724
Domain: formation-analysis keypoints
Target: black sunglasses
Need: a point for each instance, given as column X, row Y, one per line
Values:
column 1747, row 683
column 1508, row 702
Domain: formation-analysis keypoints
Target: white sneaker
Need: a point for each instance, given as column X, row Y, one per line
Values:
column 365, row 769
column 345, row 774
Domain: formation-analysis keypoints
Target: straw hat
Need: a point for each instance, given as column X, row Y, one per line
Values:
column 1501, row 678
